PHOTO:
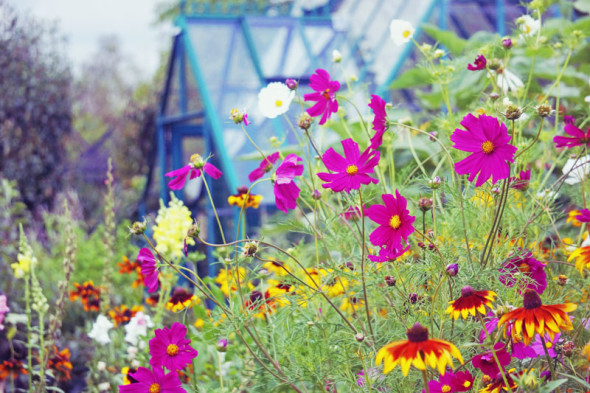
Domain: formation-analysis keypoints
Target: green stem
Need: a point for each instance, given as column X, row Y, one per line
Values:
column 363, row 261
column 213, row 206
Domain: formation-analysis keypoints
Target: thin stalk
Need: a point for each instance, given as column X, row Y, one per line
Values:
column 252, row 142
column 363, row 260
column 425, row 380
column 213, row 206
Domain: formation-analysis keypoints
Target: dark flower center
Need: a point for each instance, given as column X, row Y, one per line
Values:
column 531, row 299
column 326, row 94
column 417, row 333
column 256, row 296
column 467, row 291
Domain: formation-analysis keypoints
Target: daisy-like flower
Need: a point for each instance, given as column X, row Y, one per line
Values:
column 170, row 348
column 522, row 181
column 127, row 266
column 324, row 95
column 462, row 381
column 528, row 25
column 153, row 382
column 470, row 302
column 60, row 364
column 181, row 299
column 479, row 64
column 264, row 167
column 536, row 317
column 149, row 269
column 89, row 295
column 418, row 350
column 524, row 271
column 350, row 171
column 274, row 99
column 487, row 141
column 238, row 116
column 244, row 199
column 12, row 368
column 582, row 257
column 401, row 31
column 122, row 315
column 576, row 169
column 577, row 137
column 535, row 349
column 276, row 267
column 192, row 170
column 508, row 81
column 351, row 304
column 487, row 363
column 285, row 190
column 377, row 104
column 496, row 384
column 395, row 223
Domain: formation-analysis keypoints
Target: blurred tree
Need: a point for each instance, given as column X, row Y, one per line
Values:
column 35, row 107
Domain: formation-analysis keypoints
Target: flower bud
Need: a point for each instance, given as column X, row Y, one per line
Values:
column 433, row 135
column 238, row 116
column 138, row 228
column 222, row 345
column 562, row 280
column 305, row 121
column 310, row 323
column 316, row 194
column 421, row 245
column 513, row 112
column 438, row 53
column 359, row 337
column 568, row 348
column 292, row 84
column 336, row 56
column 413, row 298
column 496, row 190
column 193, row 230
column 390, row 281
column 507, row 43
column 495, row 64
column 494, row 96
column 425, row 204
column 544, row 110
column 197, row 161
column 452, row 269
column 250, row 249
column 434, row 183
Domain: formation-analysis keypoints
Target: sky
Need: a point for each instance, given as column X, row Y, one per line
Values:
column 83, row 22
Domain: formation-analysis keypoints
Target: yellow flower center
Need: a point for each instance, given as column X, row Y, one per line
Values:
column 352, row 170
column 445, row 388
column 155, row 388
column 395, row 222
column 172, row 350
column 487, row 147
column 549, row 344
column 524, row 268
column 326, row 94
column 278, row 103
column 406, row 33
column 527, row 29
column 466, row 384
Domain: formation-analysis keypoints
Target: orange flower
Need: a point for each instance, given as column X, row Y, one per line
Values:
column 586, row 351
column 152, row 300
column 180, row 300
column 497, row 385
column 139, row 280
column 128, row 379
column 470, row 302
column 89, row 295
column 122, row 315
column 11, row 367
column 243, row 199
column 60, row 364
column 127, row 266
column 571, row 218
column 582, row 256
column 418, row 350
column 537, row 318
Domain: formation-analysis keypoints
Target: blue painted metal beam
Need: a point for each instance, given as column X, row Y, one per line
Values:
column 500, row 17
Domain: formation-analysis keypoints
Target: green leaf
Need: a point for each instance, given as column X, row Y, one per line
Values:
column 448, row 39
column 417, row 76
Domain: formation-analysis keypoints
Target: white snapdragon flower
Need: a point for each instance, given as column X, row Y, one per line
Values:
column 137, row 326
column 100, row 330
column 578, row 168
column 274, row 99
column 401, row 31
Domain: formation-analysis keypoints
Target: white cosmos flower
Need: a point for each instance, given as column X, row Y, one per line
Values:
column 528, row 25
column 274, row 99
column 401, row 31
column 100, row 330
column 548, row 194
column 578, row 168
column 137, row 326
column 508, row 81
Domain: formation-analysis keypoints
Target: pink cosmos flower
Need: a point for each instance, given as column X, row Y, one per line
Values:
column 395, row 224
column 350, row 171
column 325, row 91
column 524, row 271
column 462, row 381
column 193, row 170
column 149, row 269
column 377, row 104
column 386, row 255
column 583, row 216
column 153, row 381
column 522, row 181
column 264, row 167
column 535, row 348
column 285, row 190
column 487, row 140
column 478, row 65
column 577, row 138
column 171, row 349
column 486, row 362
column 3, row 310
column 569, row 119
column 352, row 213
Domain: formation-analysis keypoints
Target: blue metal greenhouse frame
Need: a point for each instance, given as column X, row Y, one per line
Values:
column 224, row 54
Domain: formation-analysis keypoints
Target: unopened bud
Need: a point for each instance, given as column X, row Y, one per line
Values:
column 425, row 204
column 507, row 43
column 194, row 230
column 495, row 64
column 310, row 323
column 359, row 337
column 452, row 269
column 562, row 280
column 435, row 182
column 433, row 135
column 438, row 53
column 138, row 228
column 494, row 96
column 336, row 56
column 250, row 249
column 544, row 110
column 222, row 345
column 291, row 84
column 305, row 121
column 390, row 281
column 316, row 194
column 568, row 348
column 513, row 112
column 413, row 298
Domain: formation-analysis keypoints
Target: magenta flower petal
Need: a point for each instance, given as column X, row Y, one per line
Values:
column 487, row 363
column 479, row 64
column 487, row 140
column 179, row 176
column 170, row 348
column 264, row 167
column 212, row 171
column 149, row 270
column 526, row 272
column 377, row 104
column 285, row 190
column 156, row 380
column 577, row 137
column 324, row 96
